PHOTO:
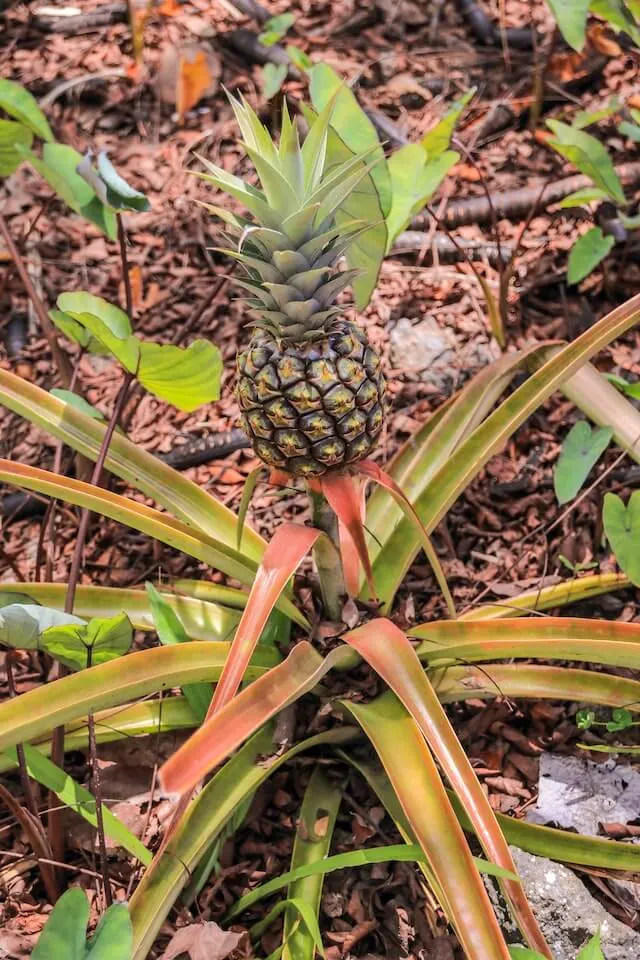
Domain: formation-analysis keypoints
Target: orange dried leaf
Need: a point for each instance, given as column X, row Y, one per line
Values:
column 169, row 8
column 193, row 81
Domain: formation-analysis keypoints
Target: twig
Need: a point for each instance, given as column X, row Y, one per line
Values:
column 61, row 359
column 27, row 785
column 61, row 88
column 513, row 204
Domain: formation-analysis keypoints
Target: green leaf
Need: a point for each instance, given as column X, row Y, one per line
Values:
column 80, row 645
column 587, row 252
column 619, row 16
column 437, row 140
column 585, row 719
column 76, row 332
column 64, row 934
column 21, row 624
column 186, row 377
column 592, row 950
column 584, row 118
column 589, row 156
column 78, row 799
column 352, row 124
column 299, row 58
column 275, row 28
column 19, row 103
column 621, row 719
column 524, row 953
column 58, row 167
column 414, row 180
column 630, row 130
column 108, row 323
column 571, row 18
column 273, row 76
column 109, row 186
column 12, row 133
column 113, row 937
column 581, row 450
column 587, row 195
column 170, row 630
column 629, row 389
column 622, row 529
column 78, row 402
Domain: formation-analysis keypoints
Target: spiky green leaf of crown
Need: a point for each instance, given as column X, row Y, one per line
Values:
column 291, row 247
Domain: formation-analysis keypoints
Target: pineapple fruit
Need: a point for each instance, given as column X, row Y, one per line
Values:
column 310, row 386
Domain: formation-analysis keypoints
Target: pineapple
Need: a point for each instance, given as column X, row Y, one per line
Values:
column 310, row 386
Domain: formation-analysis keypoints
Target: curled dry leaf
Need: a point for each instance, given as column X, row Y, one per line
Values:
column 187, row 74
column 202, row 941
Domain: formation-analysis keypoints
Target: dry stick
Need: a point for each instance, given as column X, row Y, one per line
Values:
column 61, row 359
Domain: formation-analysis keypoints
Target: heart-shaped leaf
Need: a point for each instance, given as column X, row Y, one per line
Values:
column 622, row 529
column 19, row 103
column 21, row 624
column 80, row 645
column 572, row 20
column 437, row 140
column 273, row 76
column 186, row 377
column 589, row 156
column 581, row 450
column 76, row 332
column 109, row 186
column 587, row 252
column 414, row 180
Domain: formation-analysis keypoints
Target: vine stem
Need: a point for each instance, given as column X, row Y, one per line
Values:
column 326, row 554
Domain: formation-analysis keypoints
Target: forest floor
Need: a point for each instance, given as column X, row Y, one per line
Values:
column 408, row 62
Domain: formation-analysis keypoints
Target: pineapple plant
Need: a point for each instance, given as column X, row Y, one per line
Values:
column 310, row 386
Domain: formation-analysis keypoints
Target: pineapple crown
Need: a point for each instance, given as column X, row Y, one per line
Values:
column 299, row 230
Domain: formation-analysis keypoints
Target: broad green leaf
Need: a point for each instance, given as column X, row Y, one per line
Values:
column 581, row 450
column 622, row 529
column 113, row 937
column 587, row 252
column 437, row 140
column 81, row 645
column 587, row 195
column 187, row 377
column 65, row 932
column 571, row 18
column 19, row 103
column 589, row 155
column 78, row 799
column 68, row 396
column 275, row 28
column 351, row 123
column 299, row 58
column 58, row 167
column 621, row 16
column 629, row 389
column 592, row 950
column 273, row 76
column 414, row 180
column 12, row 133
column 76, row 332
column 21, row 625
column 621, row 719
column 106, row 322
column 170, row 630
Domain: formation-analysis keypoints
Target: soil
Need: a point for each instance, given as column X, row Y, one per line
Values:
column 407, row 61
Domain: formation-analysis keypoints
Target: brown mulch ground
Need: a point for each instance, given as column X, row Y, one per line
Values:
column 408, row 66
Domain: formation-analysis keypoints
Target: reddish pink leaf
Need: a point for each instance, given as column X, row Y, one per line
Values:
column 391, row 655
column 348, row 550
column 283, row 556
column 245, row 713
column 344, row 499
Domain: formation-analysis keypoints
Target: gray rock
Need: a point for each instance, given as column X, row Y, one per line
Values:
column 567, row 913
column 435, row 352
column 577, row 793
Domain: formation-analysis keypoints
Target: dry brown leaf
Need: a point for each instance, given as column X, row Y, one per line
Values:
column 601, row 40
column 194, row 79
column 202, row 941
column 169, row 8
column 186, row 74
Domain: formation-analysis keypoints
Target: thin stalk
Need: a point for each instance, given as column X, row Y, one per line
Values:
column 27, row 785
column 96, row 789
column 61, row 359
column 326, row 555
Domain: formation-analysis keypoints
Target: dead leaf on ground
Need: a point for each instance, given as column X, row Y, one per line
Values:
column 202, row 941
column 187, row 74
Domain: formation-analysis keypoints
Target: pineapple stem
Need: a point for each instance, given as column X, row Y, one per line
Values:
column 326, row 555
